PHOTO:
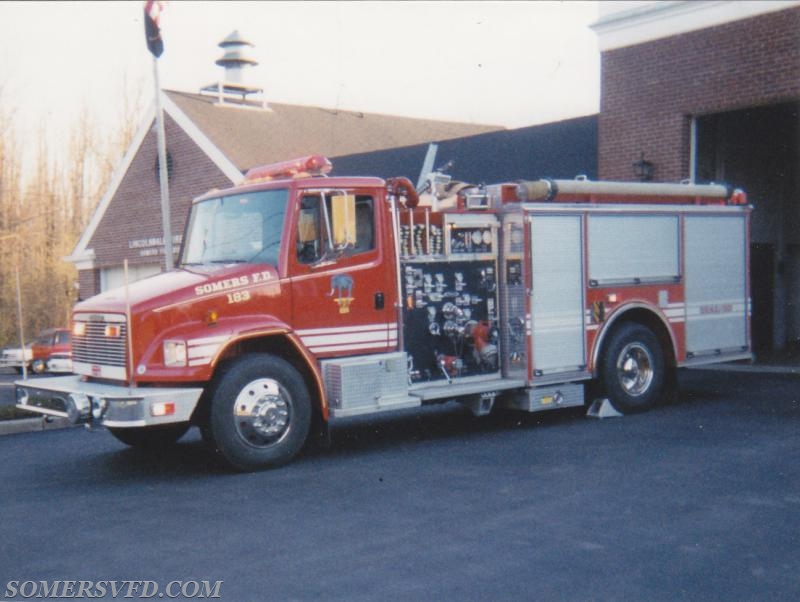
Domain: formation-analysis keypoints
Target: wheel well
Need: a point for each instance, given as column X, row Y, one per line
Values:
column 277, row 345
column 645, row 317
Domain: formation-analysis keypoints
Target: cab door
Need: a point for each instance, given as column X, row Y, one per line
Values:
column 343, row 290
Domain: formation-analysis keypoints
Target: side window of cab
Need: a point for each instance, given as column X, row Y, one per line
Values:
column 309, row 234
column 365, row 224
column 334, row 224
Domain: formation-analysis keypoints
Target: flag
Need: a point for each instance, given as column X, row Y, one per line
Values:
column 152, row 31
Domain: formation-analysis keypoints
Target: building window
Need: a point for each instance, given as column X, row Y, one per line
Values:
column 170, row 168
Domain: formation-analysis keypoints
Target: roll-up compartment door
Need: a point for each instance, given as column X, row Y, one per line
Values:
column 557, row 294
column 716, row 284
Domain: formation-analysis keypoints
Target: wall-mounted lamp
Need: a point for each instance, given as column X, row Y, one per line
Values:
column 643, row 169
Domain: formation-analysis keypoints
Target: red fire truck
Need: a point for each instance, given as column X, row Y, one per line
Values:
column 302, row 298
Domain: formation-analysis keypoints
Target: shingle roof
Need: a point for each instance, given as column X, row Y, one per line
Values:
column 250, row 136
column 563, row 149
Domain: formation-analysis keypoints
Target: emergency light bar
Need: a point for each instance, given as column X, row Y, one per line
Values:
column 313, row 165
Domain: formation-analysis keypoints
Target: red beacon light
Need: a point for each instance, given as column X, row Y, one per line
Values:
column 313, row 165
column 738, row 197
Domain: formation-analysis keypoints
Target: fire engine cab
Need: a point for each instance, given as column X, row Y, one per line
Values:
column 302, row 298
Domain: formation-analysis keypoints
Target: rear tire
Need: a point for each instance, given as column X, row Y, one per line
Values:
column 150, row 437
column 260, row 412
column 633, row 369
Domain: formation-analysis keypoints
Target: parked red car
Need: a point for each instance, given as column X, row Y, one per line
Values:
column 51, row 342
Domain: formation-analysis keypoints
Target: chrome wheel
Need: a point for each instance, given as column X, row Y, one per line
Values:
column 262, row 412
column 635, row 369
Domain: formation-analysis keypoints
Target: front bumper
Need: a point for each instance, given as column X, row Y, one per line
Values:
column 10, row 363
column 113, row 406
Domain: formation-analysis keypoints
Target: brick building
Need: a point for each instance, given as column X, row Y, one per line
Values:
column 212, row 138
column 710, row 91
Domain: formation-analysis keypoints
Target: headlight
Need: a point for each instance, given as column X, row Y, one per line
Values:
column 99, row 406
column 174, row 353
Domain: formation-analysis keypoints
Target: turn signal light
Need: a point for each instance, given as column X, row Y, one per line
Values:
column 113, row 331
column 162, row 408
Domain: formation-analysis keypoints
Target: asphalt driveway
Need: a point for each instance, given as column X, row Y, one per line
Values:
column 697, row 500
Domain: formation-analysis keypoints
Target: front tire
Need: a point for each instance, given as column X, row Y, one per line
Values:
column 150, row 437
column 633, row 369
column 260, row 412
column 38, row 366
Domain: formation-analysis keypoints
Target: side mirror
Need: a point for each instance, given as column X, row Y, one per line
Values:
column 343, row 208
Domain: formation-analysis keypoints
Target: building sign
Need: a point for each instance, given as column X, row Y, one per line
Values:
column 149, row 247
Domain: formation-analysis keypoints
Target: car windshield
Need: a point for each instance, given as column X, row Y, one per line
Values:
column 44, row 338
column 241, row 228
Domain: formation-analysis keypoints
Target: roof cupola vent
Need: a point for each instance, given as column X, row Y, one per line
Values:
column 234, row 60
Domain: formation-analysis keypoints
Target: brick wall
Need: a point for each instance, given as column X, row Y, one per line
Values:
column 134, row 213
column 650, row 91
column 89, row 283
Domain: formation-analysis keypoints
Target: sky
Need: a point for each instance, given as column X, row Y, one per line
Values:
column 501, row 63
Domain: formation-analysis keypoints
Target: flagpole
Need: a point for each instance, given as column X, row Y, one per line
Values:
column 163, row 172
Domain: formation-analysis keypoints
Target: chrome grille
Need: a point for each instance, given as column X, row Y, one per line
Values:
column 94, row 347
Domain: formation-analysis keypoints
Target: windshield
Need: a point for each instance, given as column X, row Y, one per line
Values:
column 241, row 228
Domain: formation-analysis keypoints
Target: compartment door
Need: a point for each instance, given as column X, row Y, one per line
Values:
column 716, row 284
column 558, row 341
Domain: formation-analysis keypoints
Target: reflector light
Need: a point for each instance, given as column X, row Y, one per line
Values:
column 313, row 165
column 162, row 408
column 113, row 330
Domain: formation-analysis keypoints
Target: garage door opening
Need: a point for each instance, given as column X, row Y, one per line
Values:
column 758, row 149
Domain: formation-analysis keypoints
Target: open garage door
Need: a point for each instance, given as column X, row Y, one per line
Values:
column 757, row 149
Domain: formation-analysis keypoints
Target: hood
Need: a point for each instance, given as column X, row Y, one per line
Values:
column 176, row 286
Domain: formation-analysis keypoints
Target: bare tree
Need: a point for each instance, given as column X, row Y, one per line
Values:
column 44, row 210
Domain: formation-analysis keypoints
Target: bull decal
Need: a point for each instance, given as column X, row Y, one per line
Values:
column 342, row 288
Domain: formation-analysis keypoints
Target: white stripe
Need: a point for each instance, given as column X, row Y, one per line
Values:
column 207, row 340
column 360, row 337
column 355, row 347
column 202, row 351
column 737, row 308
column 346, row 329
